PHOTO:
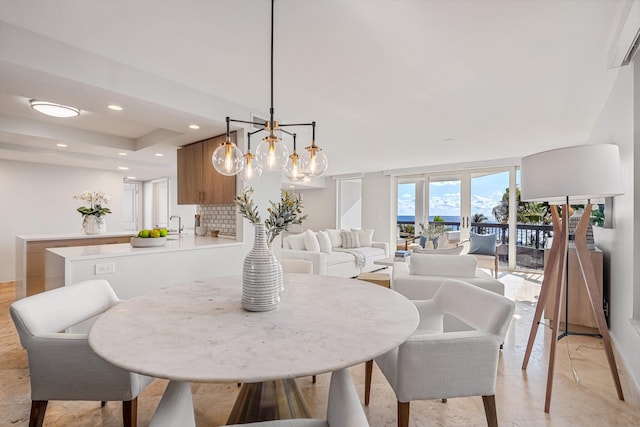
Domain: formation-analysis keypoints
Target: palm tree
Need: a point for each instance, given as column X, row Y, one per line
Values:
column 478, row 217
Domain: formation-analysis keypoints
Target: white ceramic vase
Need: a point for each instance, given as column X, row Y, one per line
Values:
column 261, row 275
column 280, row 270
column 93, row 224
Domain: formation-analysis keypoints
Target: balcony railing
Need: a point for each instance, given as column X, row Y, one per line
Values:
column 530, row 240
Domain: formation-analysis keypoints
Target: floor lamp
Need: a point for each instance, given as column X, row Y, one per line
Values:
column 573, row 175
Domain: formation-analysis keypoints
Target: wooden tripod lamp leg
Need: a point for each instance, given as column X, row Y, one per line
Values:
column 547, row 282
column 586, row 266
column 555, row 326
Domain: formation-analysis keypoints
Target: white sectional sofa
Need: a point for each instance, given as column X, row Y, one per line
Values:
column 344, row 253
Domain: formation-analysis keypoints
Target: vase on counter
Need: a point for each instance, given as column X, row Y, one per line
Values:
column 94, row 224
column 261, row 275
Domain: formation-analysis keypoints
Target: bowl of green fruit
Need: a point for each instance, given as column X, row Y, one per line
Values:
column 150, row 238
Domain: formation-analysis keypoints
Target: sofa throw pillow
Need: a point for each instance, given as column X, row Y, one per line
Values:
column 311, row 241
column 297, row 242
column 335, row 237
column 482, row 244
column 365, row 235
column 350, row 239
column 324, row 241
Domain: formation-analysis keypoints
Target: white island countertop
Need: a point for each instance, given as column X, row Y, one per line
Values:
column 72, row 236
column 135, row 271
column 174, row 243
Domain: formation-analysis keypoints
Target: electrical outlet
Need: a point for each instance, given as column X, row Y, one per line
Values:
column 105, row 268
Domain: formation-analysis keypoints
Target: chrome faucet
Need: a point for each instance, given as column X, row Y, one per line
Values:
column 179, row 222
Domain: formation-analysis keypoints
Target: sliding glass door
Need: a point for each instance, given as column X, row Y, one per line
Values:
column 467, row 201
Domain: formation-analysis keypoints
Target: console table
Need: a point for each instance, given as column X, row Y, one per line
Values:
column 580, row 313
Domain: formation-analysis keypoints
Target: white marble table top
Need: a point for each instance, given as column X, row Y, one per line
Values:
column 199, row 331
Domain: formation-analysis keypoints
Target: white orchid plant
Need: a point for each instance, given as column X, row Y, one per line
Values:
column 93, row 203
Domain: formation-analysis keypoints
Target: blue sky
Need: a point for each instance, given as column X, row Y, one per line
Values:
column 444, row 196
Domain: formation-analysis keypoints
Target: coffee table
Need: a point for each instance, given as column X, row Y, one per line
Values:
column 388, row 261
column 199, row 332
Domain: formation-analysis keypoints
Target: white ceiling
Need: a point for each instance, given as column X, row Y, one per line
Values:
column 388, row 81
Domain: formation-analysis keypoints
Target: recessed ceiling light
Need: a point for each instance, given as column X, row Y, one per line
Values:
column 54, row 110
column 61, row 145
column 448, row 140
column 114, row 107
column 122, row 154
column 159, row 154
column 123, row 168
column 131, row 177
column 194, row 127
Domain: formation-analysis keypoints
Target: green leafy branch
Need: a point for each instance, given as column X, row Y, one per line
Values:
column 246, row 207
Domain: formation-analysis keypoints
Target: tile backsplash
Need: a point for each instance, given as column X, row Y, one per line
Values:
column 218, row 217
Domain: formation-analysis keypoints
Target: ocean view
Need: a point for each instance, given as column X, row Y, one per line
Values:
column 410, row 219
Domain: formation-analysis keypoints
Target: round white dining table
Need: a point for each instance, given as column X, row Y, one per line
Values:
column 199, row 332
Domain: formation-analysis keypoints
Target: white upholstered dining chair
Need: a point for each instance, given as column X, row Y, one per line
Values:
column 436, row 364
column 62, row 366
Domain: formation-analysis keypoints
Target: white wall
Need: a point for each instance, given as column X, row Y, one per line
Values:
column 320, row 204
column 376, row 203
column 622, row 243
column 185, row 212
column 38, row 199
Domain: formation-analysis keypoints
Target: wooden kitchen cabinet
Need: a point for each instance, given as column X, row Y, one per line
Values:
column 198, row 182
column 580, row 312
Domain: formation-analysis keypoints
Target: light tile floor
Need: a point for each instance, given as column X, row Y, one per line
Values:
column 589, row 401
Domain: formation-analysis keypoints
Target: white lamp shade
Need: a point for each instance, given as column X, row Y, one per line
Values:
column 581, row 173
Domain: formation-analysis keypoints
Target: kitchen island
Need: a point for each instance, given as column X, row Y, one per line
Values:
column 30, row 252
column 135, row 271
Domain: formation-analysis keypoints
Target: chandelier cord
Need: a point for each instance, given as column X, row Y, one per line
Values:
column 272, row 25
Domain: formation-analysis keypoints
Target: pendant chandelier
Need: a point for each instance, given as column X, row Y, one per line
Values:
column 271, row 154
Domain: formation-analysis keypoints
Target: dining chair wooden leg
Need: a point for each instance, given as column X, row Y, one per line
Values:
column 490, row 410
column 103, row 404
column 313, row 379
column 130, row 412
column 403, row 414
column 38, row 408
column 368, row 370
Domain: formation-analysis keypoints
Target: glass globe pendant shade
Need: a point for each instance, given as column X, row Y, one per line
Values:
column 252, row 168
column 272, row 154
column 295, row 168
column 228, row 159
column 315, row 161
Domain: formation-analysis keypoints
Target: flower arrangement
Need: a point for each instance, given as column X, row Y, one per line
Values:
column 93, row 203
column 281, row 215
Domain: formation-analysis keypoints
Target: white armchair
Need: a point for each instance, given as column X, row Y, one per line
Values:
column 436, row 364
column 62, row 366
column 426, row 273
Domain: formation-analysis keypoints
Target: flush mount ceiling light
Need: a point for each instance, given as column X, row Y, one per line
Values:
column 271, row 153
column 114, row 107
column 195, row 127
column 54, row 110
